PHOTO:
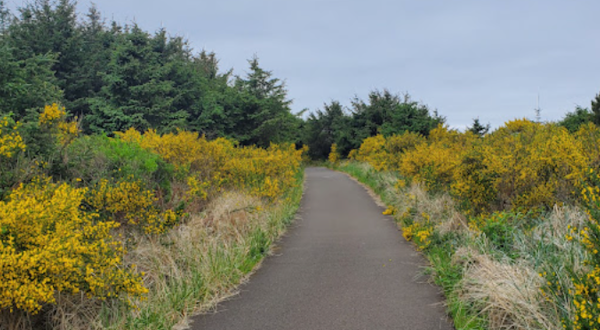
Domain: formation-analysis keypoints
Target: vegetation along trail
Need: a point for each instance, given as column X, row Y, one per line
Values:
column 343, row 266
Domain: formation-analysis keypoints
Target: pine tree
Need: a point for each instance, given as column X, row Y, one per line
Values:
column 264, row 113
column 596, row 109
column 4, row 18
column 148, row 83
column 45, row 27
column 389, row 114
column 574, row 120
column 26, row 85
column 326, row 127
column 478, row 129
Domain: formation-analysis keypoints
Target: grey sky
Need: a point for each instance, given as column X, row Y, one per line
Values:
column 477, row 58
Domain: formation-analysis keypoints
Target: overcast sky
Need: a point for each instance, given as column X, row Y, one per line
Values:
column 467, row 59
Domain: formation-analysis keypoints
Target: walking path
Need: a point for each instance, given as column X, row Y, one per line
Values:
column 342, row 266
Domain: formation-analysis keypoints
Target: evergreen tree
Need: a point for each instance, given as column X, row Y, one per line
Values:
column 213, row 107
column 96, row 47
column 26, row 85
column 4, row 18
column 390, row 114
column 264, row 114
column 478, row 129
column 573, row 120
column 596, row 109
column 384, row 113
column 144, row 82
column 323, row 128
column 48, row 27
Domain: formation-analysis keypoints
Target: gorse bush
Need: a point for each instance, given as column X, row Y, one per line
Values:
column 127, row 203
column 10, row 139
column 11, row 143
column 522, row 165
column 209, row 166
column 54, row 119
column 49, row 244
column 509, row 186
column 334, row 156
column 585, row 289
column 66, row 214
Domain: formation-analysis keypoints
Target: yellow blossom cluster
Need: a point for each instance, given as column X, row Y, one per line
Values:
column 419, row 234
column 10, row 139
column 523, row 164
column 586, row 300
column 48, row 244
column 210, row 166
column 127, row 203
column 51, row 114
column 334, row 155
column 265, row 172
column 418, row 228
column 372, row 150
column 54, row 118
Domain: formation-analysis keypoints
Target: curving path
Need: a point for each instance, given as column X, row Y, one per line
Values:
column 342, row 266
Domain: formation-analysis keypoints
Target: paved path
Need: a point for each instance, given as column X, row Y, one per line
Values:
column 342, row 266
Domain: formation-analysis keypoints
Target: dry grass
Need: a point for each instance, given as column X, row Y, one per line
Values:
column 555, row 228
column 440, row 207
column 209, row 248
column 509, row 294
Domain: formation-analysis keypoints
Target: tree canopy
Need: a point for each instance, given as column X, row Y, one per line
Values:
column 115, row 76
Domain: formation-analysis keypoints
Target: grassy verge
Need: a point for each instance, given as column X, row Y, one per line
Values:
column 489, row 269
column 201, row 262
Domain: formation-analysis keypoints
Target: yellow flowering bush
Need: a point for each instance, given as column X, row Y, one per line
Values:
column 185, row 150
column 372, row 151
column 396, row 145
column 435, row 163
column 62, row 239
column 524, row 165
column 125, row 202
column 418, row 233
column 334, row 155
column 266, row 172
column 54, row 118
column 353, row 154
column 417, row 228
column 48, row 244
column 305, row 156
column 211, row 165
column 10, row 139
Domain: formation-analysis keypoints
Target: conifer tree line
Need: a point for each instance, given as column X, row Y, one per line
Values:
column 113, row 77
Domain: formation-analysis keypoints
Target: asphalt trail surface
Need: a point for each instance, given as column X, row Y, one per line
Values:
column 342, row 266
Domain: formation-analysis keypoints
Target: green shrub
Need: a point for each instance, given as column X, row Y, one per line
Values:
column 93, row 158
